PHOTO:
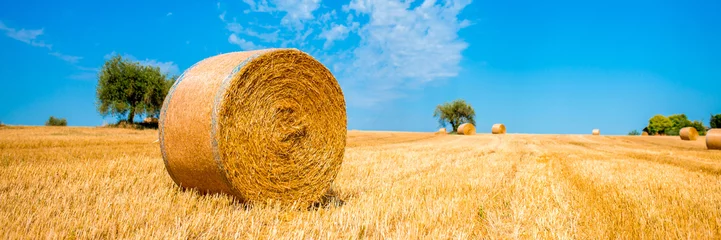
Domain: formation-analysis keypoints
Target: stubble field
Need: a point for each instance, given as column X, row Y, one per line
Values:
column 111, row 183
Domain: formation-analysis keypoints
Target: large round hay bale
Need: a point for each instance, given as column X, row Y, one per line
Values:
column 466, row 129
column 258, row 125
column 498, row 128
column 713, row 139
column 644, row 133
column 596, row 132
column 688, row 133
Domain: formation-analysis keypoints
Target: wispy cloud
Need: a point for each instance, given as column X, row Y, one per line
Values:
column 67, row 58
column 169, row 14
column 242, row 43
column 84, row 76
column 296, row 11
column 26, row 36
column 168, row 67
column 388, row 47
column 336, row 32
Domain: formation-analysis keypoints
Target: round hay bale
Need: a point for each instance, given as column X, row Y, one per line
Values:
column 688, row 134
column 644, row 134
column 258, row 125
column 596, row 132
column 466, row 129
column 441, row 131
column 713, row 139
column 498, row 128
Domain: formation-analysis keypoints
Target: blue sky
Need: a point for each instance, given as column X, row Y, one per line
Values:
column 537, row 66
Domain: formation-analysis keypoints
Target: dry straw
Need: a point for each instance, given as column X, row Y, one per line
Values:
column 713, row 139
column 498, row 128
column 688, row 133
column 644, row 133
column 259, row 125
column 596, row 132
column 466, row 129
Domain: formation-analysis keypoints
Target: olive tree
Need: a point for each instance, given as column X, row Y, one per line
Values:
column 455, row 113
column 127, row 88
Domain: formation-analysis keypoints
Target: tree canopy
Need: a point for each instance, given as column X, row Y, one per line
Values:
column 715, row 121
column 659, row 124
column 672, row 125
column 126, row 88
column 455, row 113
column 679, row 121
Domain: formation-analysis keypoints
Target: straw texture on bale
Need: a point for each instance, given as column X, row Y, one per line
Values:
column 466, row 129
column 596, row 132
column 498, row 128
column 713, row 139
column 688, row 133
column 258, row 125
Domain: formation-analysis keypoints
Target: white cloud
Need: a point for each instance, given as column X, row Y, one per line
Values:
column 242, row 43
column 26, row 36
column 234, row 27
column 296, row 10
column 389, row 46
column 222, row 15
column 165, row 67
column 336, row 32
column 402, row 46
column 169, row 14
column 169, row 67
column 67, row 58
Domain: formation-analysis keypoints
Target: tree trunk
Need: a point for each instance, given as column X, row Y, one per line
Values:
column 131, row 115
column 454, row 124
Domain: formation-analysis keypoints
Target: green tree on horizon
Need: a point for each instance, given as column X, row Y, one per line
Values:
column 659, row 124
column 679, row 121
column 53, row 121
column 715, row 121
column 455, row 113
column 127, row 88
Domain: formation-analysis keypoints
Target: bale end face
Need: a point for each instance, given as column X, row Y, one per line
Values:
column 688, row 134
column 466, row 129
column 498, row 128
column 266, row 125
column 713, row 139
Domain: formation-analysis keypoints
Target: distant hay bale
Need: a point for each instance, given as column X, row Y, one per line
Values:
column 596, row 132
column 466, row 129
column 688, row 134
column 150, row 120
column 258, row 125
column 498, row 128
column 644, row 134
column 441, row 131
column 713, row 139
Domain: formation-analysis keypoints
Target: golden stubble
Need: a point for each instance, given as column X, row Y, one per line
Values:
column 111, row 183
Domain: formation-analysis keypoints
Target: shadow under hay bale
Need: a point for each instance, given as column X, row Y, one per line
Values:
column 265, row 125
column 688, row 134
column 466, row 129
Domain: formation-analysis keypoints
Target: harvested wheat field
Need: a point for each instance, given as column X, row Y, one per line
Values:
column 112, row 183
